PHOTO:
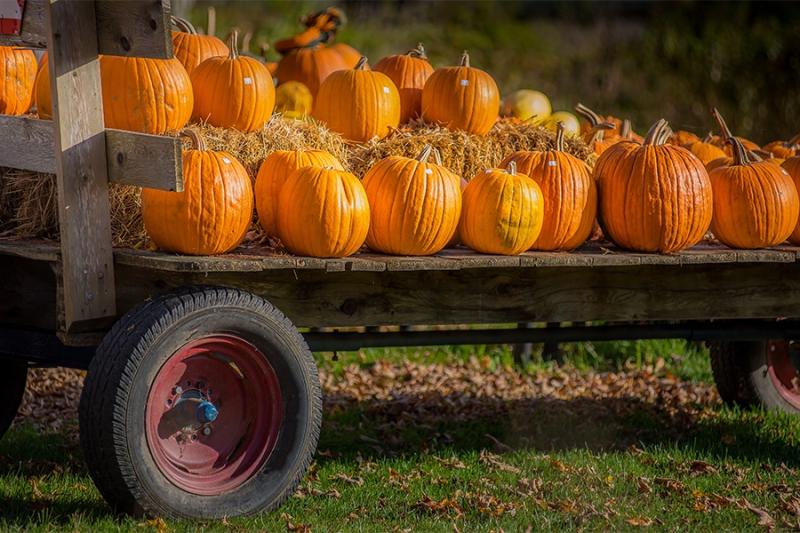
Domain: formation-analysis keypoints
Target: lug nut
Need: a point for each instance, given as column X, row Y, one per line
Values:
column 177, row 390
column 206, row 431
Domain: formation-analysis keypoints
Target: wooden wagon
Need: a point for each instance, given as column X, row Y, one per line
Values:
column 202, row 397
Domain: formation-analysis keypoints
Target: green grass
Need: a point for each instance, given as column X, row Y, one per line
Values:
column 659, row 470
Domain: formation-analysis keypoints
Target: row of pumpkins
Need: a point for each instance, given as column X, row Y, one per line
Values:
column 649, row 196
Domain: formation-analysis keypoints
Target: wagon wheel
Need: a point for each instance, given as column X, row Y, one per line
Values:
column 13, row 376
column 203, row 403
column 753, row 373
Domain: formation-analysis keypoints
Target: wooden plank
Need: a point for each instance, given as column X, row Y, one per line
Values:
column 27, row 144
column 80, row 143
column 29, row 249
column 137, row 28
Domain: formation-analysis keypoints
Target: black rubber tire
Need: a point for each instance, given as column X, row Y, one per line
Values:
column 117, row 385
column 13, row 377
column 741, row 374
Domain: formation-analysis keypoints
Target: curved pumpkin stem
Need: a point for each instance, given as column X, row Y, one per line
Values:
column 425, row 153
column 196, row 138
column 233, row 44
column 183, row 25
column 666, row 133
column 465, row 59
column 763, row 154
column 512, row 168
column 708, row 138
column 212, row 21
column 246, row 41
column 740, row 155
column 559, row 136
column 625, row 131
column 598, row 132
column 591, row 117
column 362, row 63
column 418, row 52
column 655, row 135
column 725, row 132
column 437, row 156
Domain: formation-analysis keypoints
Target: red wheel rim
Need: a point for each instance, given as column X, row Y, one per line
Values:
column 212, row 457
column 783, row 372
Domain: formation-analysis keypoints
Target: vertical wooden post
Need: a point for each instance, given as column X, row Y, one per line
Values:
column 84, row 220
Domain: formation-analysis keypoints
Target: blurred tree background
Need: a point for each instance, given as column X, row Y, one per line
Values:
column 641, row 60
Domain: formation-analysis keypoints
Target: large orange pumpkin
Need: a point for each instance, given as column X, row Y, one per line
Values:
column 17, row 76
column 214, row 211
column 568, row 191
column 792, row 166
column 653, row 197
column 191, row 49
column 755, row 203
column 323, row 212
column 461, row 98
column 358, row 103
column 272, row 174
column 146, row 95
column 41, row 90
column 409, row 72
column 234, row 91
column 502, row 212
column 414, row 205
column 310, row 66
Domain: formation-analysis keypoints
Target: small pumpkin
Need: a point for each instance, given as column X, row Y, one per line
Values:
column 146, row 95
column 190, row 48
column 568, row 191
column 359, row 104
column 592, row 120
column 683, row 137
column 654, row 197
column 502, row 212
column 461, row 98
column 41, row 90
column 234, row 91
column 705, row 151
column 792, row 166
column 272, row 174
column 756, row 204
column 17, row 76
column 310, row 66
column 414, row 205
column 784, row 150
column 214, row 211
column 293, row 100
column 409, row 72
column 323, row 212
column 527, row 104
column 570, row 122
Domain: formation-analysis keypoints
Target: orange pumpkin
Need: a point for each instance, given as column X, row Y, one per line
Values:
column 234, row 91
column 360, row 104
column 682, row 138
column 146, row 95
column 41, row 90
column 592, row 120
column 784, row 150
column 191, row 49
column 349, row 55
column 502, row 212
column 310, row 66
column 293, row 100
column 653, row 197
column 705, row 151
column 461, row 98
column 409, row 72
column 272, row 174
column 17, row 76
column 323, row 212
column 211, row 215
column 414, row 205
column 568, row 191
column 755, row 203
column 792, row 166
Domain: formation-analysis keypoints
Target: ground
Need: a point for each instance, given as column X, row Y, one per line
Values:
column 623, row 436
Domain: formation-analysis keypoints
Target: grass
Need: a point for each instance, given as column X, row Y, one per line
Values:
column 727, row 470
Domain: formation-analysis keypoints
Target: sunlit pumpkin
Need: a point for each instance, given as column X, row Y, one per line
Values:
column 570, row 122
column 409, row 72
column 323, row 212
column 784, row 149
column 41, row 90
column 191, row 48
column 682, row 138
column 293, row 100
column 146, row 95
column 358, row 103
column 234, row 91
column 414, row 205
column 350, row 55
column 272, row 174
column 654, row 197
column 17, row 76
column 461, row 98
column 214, row 211
column 705, row 151
column 792, row 166
column 592, row 120
column 502, row 212
column 756, row 204
column 526, row 104
column 310, row 66
column 568, row 191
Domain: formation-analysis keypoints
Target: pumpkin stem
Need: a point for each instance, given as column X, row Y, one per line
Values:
column 183, row 25
column 418, row 52
column 740, row 155
column 655, row 135
column 708, row 138
column 665, row 135
column 723, row 126
column 763, row 154
column 361, row 63
column 437, row 156
column 465, row 59
column 196, row 138
column 212, row 21
column 425, row 153
column 559, row 136
column 246, row 41
column 794, row 141
column 233, row 44
column 591, row 117
column 512, row 168
column 625, row 131
column 598, row 131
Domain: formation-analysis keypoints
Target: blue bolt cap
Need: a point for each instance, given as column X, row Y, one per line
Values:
column 207, row 412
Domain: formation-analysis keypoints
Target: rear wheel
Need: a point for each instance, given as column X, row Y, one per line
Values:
column 758, row 373
column 13, row 376
column 200, row 404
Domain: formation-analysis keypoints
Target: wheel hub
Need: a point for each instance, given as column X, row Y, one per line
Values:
column 783, row 358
